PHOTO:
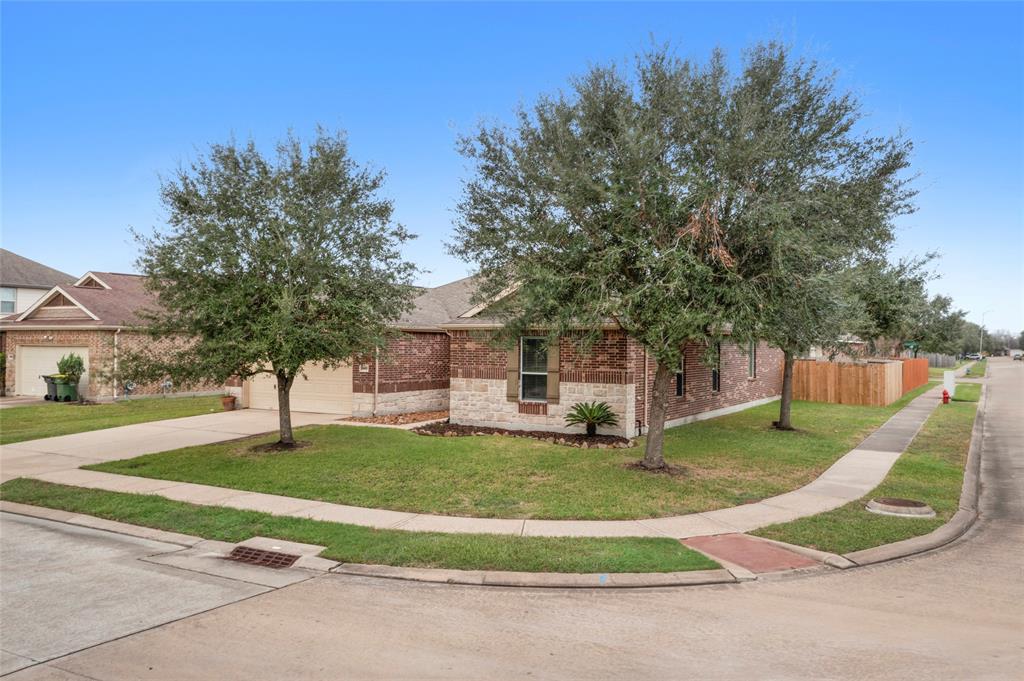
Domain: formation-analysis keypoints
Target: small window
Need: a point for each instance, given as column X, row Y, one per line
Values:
column 681, row 376
column 533, row 370
column 8, row 300
column 716, row 371
column 752, row 360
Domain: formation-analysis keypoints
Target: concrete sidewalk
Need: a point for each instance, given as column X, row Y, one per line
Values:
column 851, row 477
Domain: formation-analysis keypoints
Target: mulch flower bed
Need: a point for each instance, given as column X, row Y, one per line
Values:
column 401, row 419
column 566, row 439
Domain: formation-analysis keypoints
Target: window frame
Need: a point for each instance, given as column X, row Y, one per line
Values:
column 681, row 376
column 716, row 371
column 523, row 372
column 13, row 299
column 752, row 360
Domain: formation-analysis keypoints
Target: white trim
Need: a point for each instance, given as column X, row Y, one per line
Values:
column 46, row 297
column 522, row 347
column 714, row 413
column 91, row 275
column 477, row 309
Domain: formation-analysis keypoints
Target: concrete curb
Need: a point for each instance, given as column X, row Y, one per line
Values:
column 95, row 523
column 543, row 580
column 961, row 521
column 548, row 580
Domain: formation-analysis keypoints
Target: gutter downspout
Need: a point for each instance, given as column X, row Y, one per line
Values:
column 117, row 332
column 647, row 402
column 376, row 380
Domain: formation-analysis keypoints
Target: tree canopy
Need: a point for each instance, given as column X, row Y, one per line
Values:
column 269, row 264
column 684, row 202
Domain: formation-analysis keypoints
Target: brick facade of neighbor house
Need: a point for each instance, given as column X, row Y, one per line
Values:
column 413, row 376
column 613, row 371
column 100, row 343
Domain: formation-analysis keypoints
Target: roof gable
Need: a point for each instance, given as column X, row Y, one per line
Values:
column 57, row 304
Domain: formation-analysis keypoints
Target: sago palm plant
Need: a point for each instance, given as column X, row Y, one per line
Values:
column 592, row 415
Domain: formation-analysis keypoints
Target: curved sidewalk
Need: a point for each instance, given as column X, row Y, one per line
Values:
column 851, row 477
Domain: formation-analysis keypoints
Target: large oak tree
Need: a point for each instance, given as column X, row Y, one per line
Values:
column 268, row 264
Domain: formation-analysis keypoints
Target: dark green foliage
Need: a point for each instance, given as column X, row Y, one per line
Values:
column 72, row 366
column 593, row 415
column 270, row 264
column 681, row 202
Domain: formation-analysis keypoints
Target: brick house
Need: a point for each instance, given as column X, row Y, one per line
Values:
column 532, row 387
column 411, row 374
column 92, row 317
column 441, row 358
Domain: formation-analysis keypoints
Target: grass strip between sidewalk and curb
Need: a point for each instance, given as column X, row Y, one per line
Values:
column 931, row 470
column 18, row 424
column 354, row 544
column 726, row 461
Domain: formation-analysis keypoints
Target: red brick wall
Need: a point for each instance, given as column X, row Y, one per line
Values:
column 101, row 357
column 472, row 356
column 413, row 361
column 735, row 385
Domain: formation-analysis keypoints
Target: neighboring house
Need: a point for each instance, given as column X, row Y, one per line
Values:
column 24, row 281
column 443, row 359
column 91, row 317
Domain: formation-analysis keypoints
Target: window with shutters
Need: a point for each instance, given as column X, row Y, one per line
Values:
column 533, row 369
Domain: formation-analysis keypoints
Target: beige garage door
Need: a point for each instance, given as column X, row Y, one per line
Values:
column 327, row 391
column 34, row 361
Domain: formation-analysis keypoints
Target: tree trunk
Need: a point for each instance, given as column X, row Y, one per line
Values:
column 654, row 456
column 786, row 403
column 284, row 409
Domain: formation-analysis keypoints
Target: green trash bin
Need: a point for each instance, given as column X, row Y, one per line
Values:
column 66, row 390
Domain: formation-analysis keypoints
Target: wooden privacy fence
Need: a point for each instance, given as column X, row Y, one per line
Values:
column 915, row 373
column 866, row 383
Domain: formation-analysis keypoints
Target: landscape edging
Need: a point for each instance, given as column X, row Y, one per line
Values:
column 961, row 521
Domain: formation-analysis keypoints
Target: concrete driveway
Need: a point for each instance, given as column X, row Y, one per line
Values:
column 951, row 614
column 67, row 588
column 79, row 449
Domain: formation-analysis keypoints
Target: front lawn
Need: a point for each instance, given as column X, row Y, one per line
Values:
column 354, row 544
column 47, row 420
column 931, row 470
column 727, row 461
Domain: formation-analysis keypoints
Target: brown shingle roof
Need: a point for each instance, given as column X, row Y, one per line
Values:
column 120, row 304
column 19, row 271
column 117, row 306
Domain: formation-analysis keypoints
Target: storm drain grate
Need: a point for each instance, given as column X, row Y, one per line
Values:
column 270, row 559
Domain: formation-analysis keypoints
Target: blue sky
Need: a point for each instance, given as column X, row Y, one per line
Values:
column 99, row 99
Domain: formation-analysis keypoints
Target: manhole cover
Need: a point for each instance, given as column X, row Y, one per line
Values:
column 270, row 559
column 902, row 507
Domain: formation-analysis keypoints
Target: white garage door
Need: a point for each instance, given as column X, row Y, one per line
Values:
column 326, row 391
column 34, row 361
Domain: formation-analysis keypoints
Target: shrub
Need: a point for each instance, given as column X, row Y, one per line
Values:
column 72, row 366
column 592, row 415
